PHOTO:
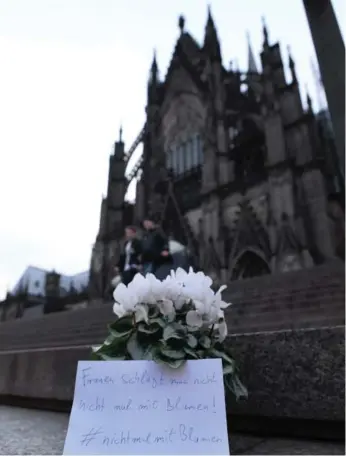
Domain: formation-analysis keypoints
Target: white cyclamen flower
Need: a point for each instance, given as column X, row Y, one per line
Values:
column 166, row 307
column 221, row 329
column 174, row 291
column 208, row 305
column 126, row 302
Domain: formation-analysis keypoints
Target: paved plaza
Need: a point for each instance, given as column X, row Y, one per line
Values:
column 24, row 431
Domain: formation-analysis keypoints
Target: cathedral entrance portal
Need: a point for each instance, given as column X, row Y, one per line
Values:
column 249, row 265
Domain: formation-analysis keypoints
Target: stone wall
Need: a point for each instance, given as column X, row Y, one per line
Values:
column 289, row 374
column 287, row 332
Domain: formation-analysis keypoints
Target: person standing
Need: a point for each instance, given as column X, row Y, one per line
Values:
column 130, row 260
column 155, row 248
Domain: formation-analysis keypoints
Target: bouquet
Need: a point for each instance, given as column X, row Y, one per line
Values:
column 170, row 321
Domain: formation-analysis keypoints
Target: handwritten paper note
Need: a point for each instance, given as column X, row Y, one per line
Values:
column 141, row 407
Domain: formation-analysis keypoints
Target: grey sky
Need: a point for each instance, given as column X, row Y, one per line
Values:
column 71, row 71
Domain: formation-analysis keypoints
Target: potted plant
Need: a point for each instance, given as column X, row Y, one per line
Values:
column 170, row 322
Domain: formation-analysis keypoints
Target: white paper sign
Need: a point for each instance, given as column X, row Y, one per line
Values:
column 141, row 407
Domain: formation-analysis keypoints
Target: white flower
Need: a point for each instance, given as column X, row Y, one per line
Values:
column 169, row 295
column 208, row 305
column 204, row 314
column 126, row 302
column 119, row 310
column 218, row 298
column 166, row 307
column 222, row 330
column 194, row 318
column 174, row 291
column 179, row 276
column 147, row 289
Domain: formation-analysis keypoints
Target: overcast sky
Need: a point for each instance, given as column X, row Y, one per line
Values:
column 71, row 72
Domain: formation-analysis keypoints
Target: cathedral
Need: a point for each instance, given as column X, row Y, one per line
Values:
column 234, row 166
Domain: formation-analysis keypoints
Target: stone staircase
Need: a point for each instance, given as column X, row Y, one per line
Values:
column 306, row 299
column 300, row 300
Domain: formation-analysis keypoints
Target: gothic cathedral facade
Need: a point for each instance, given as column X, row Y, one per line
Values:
column 233, row 166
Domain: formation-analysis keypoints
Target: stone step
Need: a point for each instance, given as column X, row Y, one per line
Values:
column 281, row 325
column 297, row 310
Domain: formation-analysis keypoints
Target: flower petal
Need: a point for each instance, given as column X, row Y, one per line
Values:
column 223, row 331
column 120, row 293
column 179, row 301
column 221, row 289
column 119, row 310
column 212, row 315
column 224, row 305
column 194, row 319
column 141, row 313
column 199, row 306
column 166, row 307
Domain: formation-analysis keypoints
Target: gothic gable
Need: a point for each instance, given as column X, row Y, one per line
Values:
column 174, row 223
column 249, row 235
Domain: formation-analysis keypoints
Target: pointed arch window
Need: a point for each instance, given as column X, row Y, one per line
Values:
column 174, row 155
column 180, row 159
column 189, row 152
column 199, row 150
column 185, row 156
column 169, row 159
column 194, row 151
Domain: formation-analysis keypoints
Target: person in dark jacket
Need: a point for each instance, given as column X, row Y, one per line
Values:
column 130, row 260
column 155, row 248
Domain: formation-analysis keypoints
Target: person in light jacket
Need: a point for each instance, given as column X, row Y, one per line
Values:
column 130, row 260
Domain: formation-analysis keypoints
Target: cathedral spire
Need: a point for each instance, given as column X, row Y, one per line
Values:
column 265, row 33
column 308, row 99
column 120, row 134
column 153, row 79
column 252, row 67
column 211, row 40
column 154, row 68
column 181, row 23
column 292, row 65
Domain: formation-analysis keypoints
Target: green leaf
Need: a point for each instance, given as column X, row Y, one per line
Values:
column 222, row 355
column 106, row 357
column 159, row 321
column 109, row 340
column 205, row 342
column 149, row 329
column 179, row 328
column 117, row 348
column 94, row 356
column 134, row 348
column 122, row 327
column 170, row 318
column 228, row 369
column 149, row 353
column 194, row 329
column 192, row 341
column 154, row 312
column 191, row 353
column 236, row 387
column 202, row 354
column 175, row 364
column 169, row 332
column 174, row 354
